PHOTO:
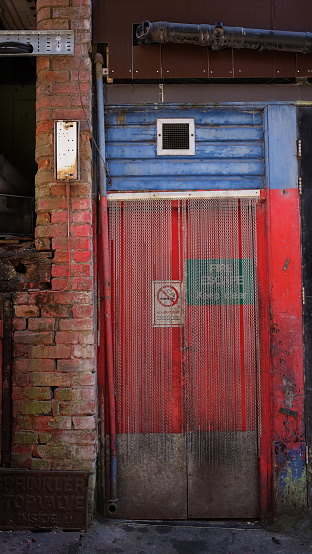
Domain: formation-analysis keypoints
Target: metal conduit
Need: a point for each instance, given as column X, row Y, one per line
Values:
column 218, row 37
column 112, row 508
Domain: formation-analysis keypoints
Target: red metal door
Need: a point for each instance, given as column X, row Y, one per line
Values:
column 186, row 356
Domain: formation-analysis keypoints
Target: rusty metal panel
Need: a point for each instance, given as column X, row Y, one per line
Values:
column 249, row 64
column 113, row 24
column 147, row 63
column 304, row 65
column 43, row 499
column 221, row 66
column 184, row 62
column 284, row 64
column 288, row 15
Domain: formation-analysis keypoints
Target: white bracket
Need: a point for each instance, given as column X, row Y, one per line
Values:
column 44, row 43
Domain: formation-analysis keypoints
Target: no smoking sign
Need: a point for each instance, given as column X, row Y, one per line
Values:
column 167, row 303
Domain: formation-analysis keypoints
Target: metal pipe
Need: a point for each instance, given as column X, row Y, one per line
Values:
column 107, row 287
column 218, row 37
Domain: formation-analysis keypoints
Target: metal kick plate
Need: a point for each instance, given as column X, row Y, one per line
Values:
column 43, row 499
column 44, row 43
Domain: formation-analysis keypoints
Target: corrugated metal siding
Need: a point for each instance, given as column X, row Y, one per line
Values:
column 229, row 150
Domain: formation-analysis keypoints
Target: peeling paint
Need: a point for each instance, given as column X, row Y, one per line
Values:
column 292, row 481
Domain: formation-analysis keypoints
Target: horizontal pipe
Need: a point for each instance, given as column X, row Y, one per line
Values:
column 218, row 37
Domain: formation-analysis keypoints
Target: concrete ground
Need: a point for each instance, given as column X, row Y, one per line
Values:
column 118, row 537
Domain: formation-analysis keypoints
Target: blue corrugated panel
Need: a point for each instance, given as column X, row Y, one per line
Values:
column 229, row 151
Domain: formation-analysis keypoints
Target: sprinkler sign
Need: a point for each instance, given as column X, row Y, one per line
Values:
column 167, row 304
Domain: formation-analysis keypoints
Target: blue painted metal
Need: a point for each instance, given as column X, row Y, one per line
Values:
column 229, row 149
column 280, row 147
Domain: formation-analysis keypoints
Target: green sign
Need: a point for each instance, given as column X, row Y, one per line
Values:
column 223, row 281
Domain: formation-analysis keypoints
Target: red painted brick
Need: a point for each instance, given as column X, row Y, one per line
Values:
column 59, row 270
column 22, row 350
column 50, row 379
column 23, row 379
column 60, row 351
column 82, row 190
column 57, row 24
column 51, row 3
column 22, row 365
column 19, row 323
column 52, row 203
column 81, row 270
column 80, row 100
column 84, row 352
column 84, row 324
column 51, row 231
column 58, row 190
column 78, row 364
column 27, row 311
column 42, row 324
column 83, row 393
column 83, row 256
column 82, row 217
column 43, row 13
column 55, row 424
column 71, row 88
column 84, row 380
column 77, row 437
column 81, row 284
column 59, row 76
column 43, row 115
column 42, row 62
column 79, row 243
column 71, row 298
column 43, row 90
column 59, row 217
column 32, row 393
column 55, row 101
column 67, row 62
column 60, row 257
column 77, row 408
column 57, row 311
column 27, row 337
column 84, row 422
column 85, row 452
column 72, row 12
column 82, row 311
column 67, row 337
column 69, row 113
column 82, row 230
column 81, row 204
column 59, row 284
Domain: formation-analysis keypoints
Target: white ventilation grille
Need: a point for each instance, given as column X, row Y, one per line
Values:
column 175, row 137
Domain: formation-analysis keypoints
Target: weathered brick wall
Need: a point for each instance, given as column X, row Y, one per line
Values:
column 54, row 384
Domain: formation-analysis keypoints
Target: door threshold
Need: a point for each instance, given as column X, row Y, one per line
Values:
column 209, row 523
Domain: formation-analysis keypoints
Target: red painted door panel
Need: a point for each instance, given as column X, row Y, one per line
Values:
column 186, row 357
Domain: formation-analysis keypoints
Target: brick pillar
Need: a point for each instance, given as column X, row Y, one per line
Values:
column 54, row 384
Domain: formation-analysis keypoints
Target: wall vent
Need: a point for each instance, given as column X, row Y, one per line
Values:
column 175, row 137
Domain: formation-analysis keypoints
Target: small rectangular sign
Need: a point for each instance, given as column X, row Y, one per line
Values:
column 220, row 282
column 167, row 304
column 43, row 499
